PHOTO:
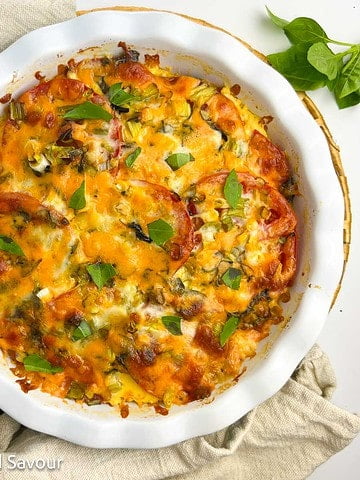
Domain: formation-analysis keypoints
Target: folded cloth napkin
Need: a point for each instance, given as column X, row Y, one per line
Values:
column 286, row 437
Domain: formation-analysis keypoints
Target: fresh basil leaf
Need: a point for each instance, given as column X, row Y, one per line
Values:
column 349, row 100
column 305, row 30
column 232, row 189
column 87, row 110
column 294, row 66
column 228, row 329
column 349, row 80
column 177, row 160
column 130, row 159
column 118, row 96
column 279, row 22
column 35, row 363
column 160, row 231
column 101, row 273
column 7, row 244
column 324, row 60
column 78, row 200
column 232, row 278
column 173, row 324
column 82, row 331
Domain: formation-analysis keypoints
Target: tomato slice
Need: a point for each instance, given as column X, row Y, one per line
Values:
column 259, row 236
column 11, row 202
column 151, row 202
column 267, row 160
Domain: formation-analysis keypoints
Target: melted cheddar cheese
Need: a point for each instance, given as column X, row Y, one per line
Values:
column 127, row 274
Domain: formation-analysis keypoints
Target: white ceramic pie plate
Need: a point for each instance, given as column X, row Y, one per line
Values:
column 209, row 53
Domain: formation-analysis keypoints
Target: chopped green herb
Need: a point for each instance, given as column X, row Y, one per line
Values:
column 101, row 273
column 172, row 323
column 7, row 244
column 35, row 363
column 118, row 96
column 78, row 200
column 16, row 110
column 228, row 329
column 87, row 110
column 160, row 231
column 232, row 278
column 177, row 160
column 130, row 159
column 232, row 189
column 82, row 331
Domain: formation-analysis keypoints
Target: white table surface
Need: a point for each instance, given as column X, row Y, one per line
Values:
column 341, row 20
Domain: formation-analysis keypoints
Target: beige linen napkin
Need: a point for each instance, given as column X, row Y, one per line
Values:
column 285, row 438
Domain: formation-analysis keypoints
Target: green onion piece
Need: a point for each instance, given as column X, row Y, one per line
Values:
column 173, row 324
column 101, row 273
column 35, row 363
column 232, row 189
column 177, row 160
column 160, row 231
column 16, row 111
column 228, row 329
column 87, row 110
column 118, row 96
column 78, row 200
column 7, row 244
column 130, row 159
column 82, row 331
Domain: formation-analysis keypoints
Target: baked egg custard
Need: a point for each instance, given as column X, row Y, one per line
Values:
column 147, row 237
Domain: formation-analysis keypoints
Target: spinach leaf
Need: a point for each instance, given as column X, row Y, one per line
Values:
column 177, row 160
column 87, row 110
column 232, row 278
column 349, row 80
column 118, row 96
column 294, row 65
column 305, row 30
column 82, row 331
column 232, row 189
column 35, row 363
column 101, row 273
column 160, row 231
column 7, row 244
column 228, row 329
column 130, row 159
column 78, row 200
column 279, row 22
column 172, row 323
column 324, row 60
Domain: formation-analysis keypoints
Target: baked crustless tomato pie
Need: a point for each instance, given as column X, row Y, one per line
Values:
column 147, row 241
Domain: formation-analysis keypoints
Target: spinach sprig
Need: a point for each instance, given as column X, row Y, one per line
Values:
column 310, row 63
